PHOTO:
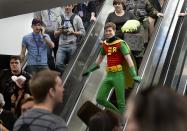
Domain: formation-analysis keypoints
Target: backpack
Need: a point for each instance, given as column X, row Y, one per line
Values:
column 79, row 38
column 71, row 20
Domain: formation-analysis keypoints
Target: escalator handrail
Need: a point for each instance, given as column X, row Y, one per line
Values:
column 95, row 32
column 154, row 43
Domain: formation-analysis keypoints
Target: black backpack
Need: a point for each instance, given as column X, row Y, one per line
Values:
column 79, row 38
column 71, row 20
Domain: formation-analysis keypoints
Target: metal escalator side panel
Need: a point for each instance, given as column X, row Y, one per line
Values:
column 167, row 43
column 155, row 48
column 74, row 82
column 175, row 58
column 182, row 86
column 170, row 63
column 156, row 45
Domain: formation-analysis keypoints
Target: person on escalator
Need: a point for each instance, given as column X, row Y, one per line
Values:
column 119, row 17
column 70, row 29
column 117, row 52
column 36, row 44
column 156, row 109
column 49, row 20
column 87, row 11
column 142, row 9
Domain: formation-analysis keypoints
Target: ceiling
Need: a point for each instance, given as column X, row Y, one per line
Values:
column 10, row 8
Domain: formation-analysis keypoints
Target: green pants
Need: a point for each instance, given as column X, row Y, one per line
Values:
column 114, row 80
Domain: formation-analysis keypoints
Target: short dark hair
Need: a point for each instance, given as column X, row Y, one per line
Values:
column 15, row 57
column 36, row 21
column 110, row 24
column 104, row 121
column 40, row 84
column 120, row 2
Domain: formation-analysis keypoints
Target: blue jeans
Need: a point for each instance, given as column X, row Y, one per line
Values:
column 63, row 55
column 35, row 68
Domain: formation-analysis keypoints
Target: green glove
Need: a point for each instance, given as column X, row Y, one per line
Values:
column 90, row 69
column 134, row 74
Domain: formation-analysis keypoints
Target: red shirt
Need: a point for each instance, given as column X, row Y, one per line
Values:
column 114, row 53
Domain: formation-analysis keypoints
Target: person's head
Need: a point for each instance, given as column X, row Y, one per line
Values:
column 46, row 86
column 110, row 30
column 119, row 5
column 105, row 120
column 68, row 8
column 28, row 103
column 36, row 25
column 2, row 101
column 15, row 64
column 157, row 109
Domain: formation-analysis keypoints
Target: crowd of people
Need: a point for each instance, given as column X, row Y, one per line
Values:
column 29, row 97
column 54, row 38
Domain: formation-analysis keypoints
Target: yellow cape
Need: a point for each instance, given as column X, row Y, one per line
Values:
column 128, row 78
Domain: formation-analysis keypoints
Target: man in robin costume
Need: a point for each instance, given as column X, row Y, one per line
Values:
column 117, row 52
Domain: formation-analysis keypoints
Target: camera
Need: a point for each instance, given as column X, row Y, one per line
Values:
column 65, row 29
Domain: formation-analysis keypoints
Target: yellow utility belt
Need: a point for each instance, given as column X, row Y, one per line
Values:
column 114, row 68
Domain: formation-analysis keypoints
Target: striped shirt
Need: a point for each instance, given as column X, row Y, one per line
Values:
column 41, row 120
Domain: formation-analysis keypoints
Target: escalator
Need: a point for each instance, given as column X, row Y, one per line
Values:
column 78, row 89
column 175, row 76
column 156, row 59
column 152, row 67
column 167, row 65
column 159, row 48
column 72, row 78
column 84, row 56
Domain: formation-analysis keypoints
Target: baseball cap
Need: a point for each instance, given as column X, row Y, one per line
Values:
column 36, row 21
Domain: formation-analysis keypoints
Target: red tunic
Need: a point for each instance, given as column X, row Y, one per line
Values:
column 114, row 55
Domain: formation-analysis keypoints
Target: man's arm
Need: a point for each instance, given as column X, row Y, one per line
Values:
column 99, row 59
column 23, row 51
column 80, row 27
column 92, row 7
column 48, row 41
column 151, row 10
column 95, row 65
column 59, row 30
column 126, row 52
column 129, row 60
